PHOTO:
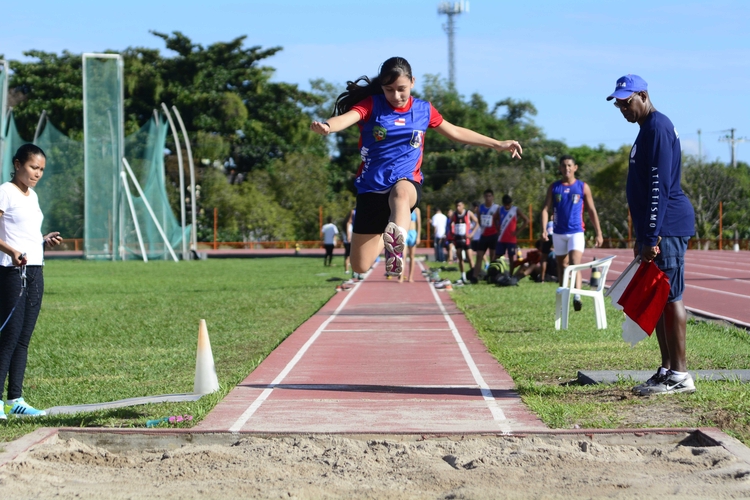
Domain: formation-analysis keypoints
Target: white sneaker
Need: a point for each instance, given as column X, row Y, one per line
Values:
column 670, row 385
column 656, row 379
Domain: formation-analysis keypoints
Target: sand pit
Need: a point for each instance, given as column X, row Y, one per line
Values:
column 391, row 467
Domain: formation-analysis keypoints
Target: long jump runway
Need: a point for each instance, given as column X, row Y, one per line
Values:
column 382, row 357
column 717, row 283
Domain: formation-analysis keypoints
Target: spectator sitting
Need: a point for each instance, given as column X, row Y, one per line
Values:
column 540, row 263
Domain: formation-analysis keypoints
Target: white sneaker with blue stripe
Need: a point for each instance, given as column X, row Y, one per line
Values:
column 21, row 408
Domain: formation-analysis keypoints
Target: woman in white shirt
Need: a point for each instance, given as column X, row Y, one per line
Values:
column 21, row 278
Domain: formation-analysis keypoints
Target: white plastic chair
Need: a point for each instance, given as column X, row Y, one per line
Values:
column 562, row 306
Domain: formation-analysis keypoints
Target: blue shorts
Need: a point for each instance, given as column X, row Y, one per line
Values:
column 411, row 238
column 502, row 247
column 671, row 260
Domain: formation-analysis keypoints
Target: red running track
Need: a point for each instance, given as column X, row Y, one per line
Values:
column 382, row 357
column 717, row 283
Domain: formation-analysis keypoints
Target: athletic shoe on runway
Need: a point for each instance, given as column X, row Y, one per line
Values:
column 671, row 385
column 442, row 284
column 394, row 250
column 445, row 288
column 21, row 408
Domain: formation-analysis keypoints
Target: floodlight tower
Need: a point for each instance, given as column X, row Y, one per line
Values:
column 452, row 10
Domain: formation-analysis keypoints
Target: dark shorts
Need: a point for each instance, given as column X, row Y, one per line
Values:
column 474, row 245
column 501, row 248
column 373, row 211
column 461, row 244
column 671, row 260
column 487, row 242
column 329, row 250
column 347, row 249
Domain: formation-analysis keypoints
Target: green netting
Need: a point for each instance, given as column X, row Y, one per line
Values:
column 12, row 141
column 144, row 151
column 103, row 150
column 60, row 189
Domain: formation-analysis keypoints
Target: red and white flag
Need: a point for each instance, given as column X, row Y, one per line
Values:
column 400, row 122
column 642, row 293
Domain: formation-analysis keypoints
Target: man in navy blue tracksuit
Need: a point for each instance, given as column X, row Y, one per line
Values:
column 663, row 220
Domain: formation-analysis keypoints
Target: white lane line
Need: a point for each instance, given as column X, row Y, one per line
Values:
column 497, row 412
column 717, row 291
column 267, row 392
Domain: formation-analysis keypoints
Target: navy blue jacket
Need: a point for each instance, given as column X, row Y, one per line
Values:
column 658, row 206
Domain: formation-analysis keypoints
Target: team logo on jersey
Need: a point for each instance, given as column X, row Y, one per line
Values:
column 576, row 198
column 558, row 198
column 400, row 122
column 379, row 133
column 416, row 139
column 632, row 151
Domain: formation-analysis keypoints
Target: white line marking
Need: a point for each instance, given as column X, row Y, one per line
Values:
column 497, row 412
column 267, row 392
column 718, row 291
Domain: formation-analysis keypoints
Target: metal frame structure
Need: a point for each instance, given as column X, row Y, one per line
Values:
column 185, row 253
column 3, row 110
column 150, row 210
column 117, row 213
column 193, row 207
column 452, row 10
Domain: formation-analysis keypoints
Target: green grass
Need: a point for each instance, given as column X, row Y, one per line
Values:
column 109, row 331
column 517, row 325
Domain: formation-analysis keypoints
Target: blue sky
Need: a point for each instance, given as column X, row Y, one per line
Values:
column 562, row 56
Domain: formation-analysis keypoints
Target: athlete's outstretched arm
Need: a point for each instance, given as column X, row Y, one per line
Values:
column 336, row 123
column 466, row 136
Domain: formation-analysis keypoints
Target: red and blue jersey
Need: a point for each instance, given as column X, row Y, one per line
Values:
column 392, row 141
column 487, row 219
column 567, row 200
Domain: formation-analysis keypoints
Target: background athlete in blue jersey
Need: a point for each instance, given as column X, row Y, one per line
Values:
column 566, row 200
column 392, row 126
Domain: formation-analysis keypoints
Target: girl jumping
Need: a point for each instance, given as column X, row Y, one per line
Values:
column 392, row 125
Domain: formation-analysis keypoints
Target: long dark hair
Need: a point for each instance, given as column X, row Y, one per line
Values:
column 26, row 151
column 364, row 87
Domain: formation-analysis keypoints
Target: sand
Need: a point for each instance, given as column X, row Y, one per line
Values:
column 341, row 467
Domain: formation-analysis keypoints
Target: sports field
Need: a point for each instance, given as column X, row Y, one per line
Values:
column 116, row 330
column 109, row 331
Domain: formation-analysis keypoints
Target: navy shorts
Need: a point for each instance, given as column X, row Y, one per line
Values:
column 671, row 260
column 502, row 248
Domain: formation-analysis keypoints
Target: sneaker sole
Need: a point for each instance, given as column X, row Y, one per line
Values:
column 394, row 246
column 647, row 392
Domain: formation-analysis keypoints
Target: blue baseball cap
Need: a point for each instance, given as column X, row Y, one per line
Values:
column 626, row 85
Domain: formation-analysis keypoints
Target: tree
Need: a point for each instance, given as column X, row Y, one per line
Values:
column 706, row 185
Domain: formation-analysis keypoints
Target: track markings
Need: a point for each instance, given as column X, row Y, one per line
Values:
column 492, row 404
